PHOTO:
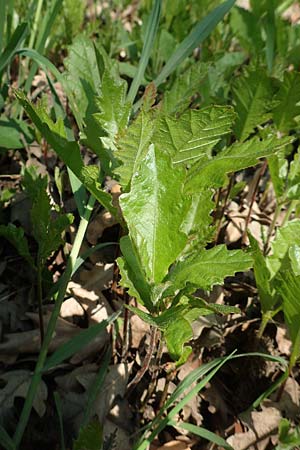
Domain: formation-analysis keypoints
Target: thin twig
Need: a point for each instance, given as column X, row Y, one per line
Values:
column 223, row 207
column 271, row 229
column 261, row 172
column 146, row 363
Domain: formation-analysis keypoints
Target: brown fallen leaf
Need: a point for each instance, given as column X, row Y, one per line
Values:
column 16, row 384
column 262, row 425
column 177, row 445
column 96, row 227
column 283, row 342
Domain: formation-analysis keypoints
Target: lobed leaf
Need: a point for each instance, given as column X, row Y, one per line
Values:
column 157, row 200
column 132, row 273
column 288, row 98
column 15, row 235
column 286, row 237
column 186, row 85
column 68, row 151
column 252, row 94
column 212, row 173
column 195, row 133
column 132, row 146
column 209, row 267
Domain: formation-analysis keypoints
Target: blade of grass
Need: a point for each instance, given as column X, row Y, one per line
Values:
column 151, row 32
column 203, row 433
column 51, row 326
column 16, row 40
column 6, row 440
column 45, row 30
column 60, row 419
column 36, row 22
column 79, row 341
column 196, row 36
column 47, row 65
column 161, row 423
column 95, row 387
column 3, row 5
column 9, row 20
column 186, row 383
column 79, row 261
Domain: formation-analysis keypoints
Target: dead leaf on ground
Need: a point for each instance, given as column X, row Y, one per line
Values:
column 114, row 386
column 29, row 341
column 139, row 329
column 283, row 342
column 262, row 425
column 118, row 436
column 176, row 445
column 99, row 277
column 289, row 403
column 89, row 302
column 16, row 384
column 97, row 226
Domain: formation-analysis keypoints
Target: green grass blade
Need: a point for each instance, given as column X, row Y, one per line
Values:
column 196, row 36
column 151, row 32
column 80, row 260
column 47, row 65
column 203, row 433
column 57, row 401
column 36, row 378
column 44, row 33
column 271, row 389
column 79, row 341
column 95, row 387
column 16, row 40
column 160, row 423
column 3, row 5
column 5, row 440
column 79, row 192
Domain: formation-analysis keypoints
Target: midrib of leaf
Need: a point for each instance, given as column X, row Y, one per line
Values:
column 140, row 148
column 156, row 216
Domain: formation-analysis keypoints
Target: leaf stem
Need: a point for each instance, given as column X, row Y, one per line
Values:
column 36, row 378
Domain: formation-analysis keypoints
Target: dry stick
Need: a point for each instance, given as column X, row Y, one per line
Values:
column 271, row 229
column 170, row 376
column 223, row 207
column 125, row 343
column 262, row 171
column 146, row 363
column 154, row 379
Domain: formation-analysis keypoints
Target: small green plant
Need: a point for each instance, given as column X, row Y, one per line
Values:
column 289, row 438
column 170, row 161
column 278, row 281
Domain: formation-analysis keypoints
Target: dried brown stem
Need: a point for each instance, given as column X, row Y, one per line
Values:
column 261, row 172
column 146, row 363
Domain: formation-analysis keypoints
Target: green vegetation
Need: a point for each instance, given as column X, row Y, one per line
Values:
column 177, row 102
